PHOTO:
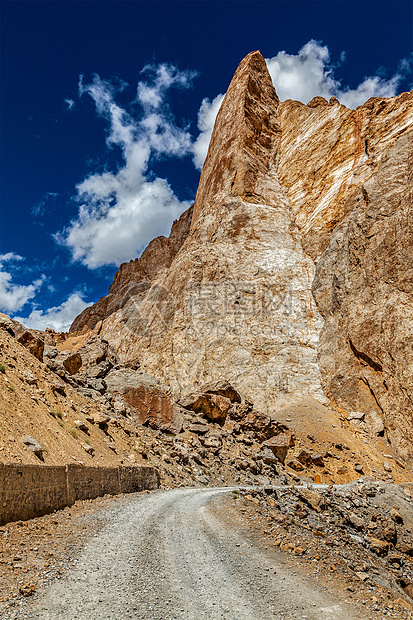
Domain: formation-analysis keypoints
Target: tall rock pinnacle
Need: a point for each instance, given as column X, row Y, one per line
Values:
column 293, row 279
column 236, row 301
column 242, row 145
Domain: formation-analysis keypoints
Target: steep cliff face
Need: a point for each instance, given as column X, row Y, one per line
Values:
column 236, row 302
column 292, row 199
column 244, row 143
column 364, row 289
column 328, row 152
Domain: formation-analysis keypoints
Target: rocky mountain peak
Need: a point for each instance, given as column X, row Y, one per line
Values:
column 243, row 141
column 291, row 279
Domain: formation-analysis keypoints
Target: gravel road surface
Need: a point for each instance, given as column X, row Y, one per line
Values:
column 167, row 555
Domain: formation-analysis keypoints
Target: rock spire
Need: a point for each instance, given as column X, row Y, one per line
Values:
column 292, row 278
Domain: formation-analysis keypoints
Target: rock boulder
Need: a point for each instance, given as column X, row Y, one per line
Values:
column 149, row 401
column 213, row 407
column 279, row 445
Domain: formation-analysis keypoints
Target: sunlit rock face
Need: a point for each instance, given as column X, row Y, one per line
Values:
column 236, row 301
column 328, row 152
column 295, row 276
column 364, row 289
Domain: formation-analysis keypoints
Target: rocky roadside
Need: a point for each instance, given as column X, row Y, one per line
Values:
column 356, row 536
column 360, row 532
column 305, row 531
column 80, row 405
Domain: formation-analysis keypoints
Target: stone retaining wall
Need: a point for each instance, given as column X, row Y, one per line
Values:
column 28, row 491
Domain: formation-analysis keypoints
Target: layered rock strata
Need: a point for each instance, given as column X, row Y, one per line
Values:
column 364, row 289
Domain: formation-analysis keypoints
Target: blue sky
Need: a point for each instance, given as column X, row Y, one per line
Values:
column 107, row 109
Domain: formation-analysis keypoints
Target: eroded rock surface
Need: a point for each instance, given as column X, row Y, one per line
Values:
column 236, row 302
column 294, row 280
column 364, row 289
column 148, row 402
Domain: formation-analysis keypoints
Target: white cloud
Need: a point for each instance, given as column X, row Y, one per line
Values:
column 70, row 104
column 310, row 73
column 370, row 87
column 10, row 256
column 40, row 208
column 304, row 75
column 121, row 211
column 58, row 318
column 14, row 296
column 163, row 77
column 206, row 119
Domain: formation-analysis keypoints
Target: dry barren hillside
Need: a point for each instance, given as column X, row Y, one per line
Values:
column 205, row 438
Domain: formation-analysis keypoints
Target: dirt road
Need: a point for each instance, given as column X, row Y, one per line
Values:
column 167, row 555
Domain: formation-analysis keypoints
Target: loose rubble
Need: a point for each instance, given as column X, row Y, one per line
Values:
column 361, row 532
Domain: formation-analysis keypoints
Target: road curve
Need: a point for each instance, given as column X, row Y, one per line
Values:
column 166, row 555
